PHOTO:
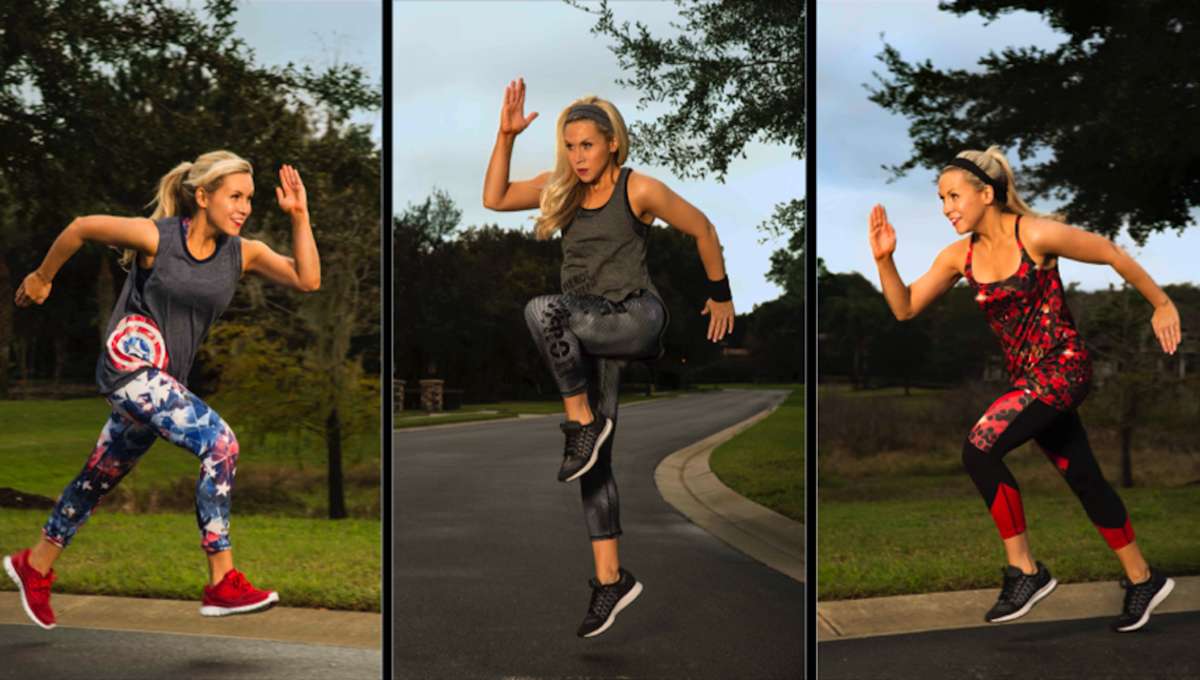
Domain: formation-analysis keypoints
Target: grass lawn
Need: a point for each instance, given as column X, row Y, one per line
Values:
column 915, row 545
column 312, row 563
column 766, row 462
column 45, row 443
column 898, row 514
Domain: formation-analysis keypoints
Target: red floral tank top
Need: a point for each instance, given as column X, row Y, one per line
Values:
column 1043, row 352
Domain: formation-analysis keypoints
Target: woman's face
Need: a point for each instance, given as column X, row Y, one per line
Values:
column 228, row 207
column 962, row 203
column 588, row 149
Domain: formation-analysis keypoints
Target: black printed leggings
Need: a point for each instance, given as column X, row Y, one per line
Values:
column 585, row 340
column 1015, row 418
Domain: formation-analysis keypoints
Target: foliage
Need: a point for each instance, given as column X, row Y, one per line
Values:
column 734, row 74
column 99, row 99
column 1100, row 112
column 462, row 292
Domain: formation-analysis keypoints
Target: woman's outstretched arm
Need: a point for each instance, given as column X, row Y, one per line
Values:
column 303, row 271
column 1049, row 237
column 651, row 198
column 137, row 233
column 498, row 192
column 908, row 301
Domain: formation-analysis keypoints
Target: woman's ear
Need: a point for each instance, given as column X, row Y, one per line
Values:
column 201, row 197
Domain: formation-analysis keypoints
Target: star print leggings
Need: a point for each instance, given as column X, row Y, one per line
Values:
column 585, row 341
column 149, row 406
column 1015, row 418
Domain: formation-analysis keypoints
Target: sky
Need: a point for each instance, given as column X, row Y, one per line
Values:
column 452, row 62
column 856, row 137
column 316, row 33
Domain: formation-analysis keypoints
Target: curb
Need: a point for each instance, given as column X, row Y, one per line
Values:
column 850, row 619
column 518, row 416
column 281, row 624
column 687, row 483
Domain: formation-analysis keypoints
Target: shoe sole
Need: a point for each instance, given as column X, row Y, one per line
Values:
column 12, row 573
column 1034, row 599
column 621, row 604
column 1154, row 602
column 213, row 610
column 608, row 424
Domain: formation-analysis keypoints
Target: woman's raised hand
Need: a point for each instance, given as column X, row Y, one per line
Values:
column 290, row 193
column 513, row 120
column 880, row 233
column 33, row 290
column 1166, row 326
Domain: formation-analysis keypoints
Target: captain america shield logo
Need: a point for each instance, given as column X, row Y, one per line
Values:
column 136, row 343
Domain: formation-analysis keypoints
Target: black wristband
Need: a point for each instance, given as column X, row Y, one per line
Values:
column 718, row 291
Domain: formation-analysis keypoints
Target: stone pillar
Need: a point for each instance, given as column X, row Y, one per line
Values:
column 397, row 395
column 431, row 395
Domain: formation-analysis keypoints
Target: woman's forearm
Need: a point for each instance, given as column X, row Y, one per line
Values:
column 1137, row 277
column 495, row 182
column 67, row 244
column 304, row 250
column 897, row 294
column 709, row 248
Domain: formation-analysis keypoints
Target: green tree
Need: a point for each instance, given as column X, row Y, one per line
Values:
column 733, row 75
column 98, row 99
column 1097, row 119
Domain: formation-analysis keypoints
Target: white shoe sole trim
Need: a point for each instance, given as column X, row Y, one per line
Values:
column 608, row 424
column 1157, row 600
column 1046, row 590
column 211, row 610
column 621, row 604
column 12, row 573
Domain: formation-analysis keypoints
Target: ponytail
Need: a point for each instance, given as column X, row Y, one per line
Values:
column 176, row 194
column 995, row 165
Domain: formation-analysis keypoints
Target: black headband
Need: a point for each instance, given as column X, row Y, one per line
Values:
column 591, row 112
column 1000, row 187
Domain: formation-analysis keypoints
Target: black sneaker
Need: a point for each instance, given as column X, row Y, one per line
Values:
column 583, row 446
column 1140, row 600
column 1020, row 592
column 607, row 602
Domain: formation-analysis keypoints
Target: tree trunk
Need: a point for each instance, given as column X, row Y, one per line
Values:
column 333, row 445
column 6, row 324
column 1126, row 456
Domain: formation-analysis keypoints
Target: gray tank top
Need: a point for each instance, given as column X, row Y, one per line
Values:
column 604, row 249
column 164, row 313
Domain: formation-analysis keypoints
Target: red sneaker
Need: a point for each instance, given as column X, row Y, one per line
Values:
column 235, row 595
column 35, row 588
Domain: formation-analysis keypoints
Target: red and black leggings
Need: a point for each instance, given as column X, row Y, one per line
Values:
column 1015, row 418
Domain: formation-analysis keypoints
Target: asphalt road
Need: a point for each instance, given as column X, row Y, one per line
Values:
column 492, row 559
column 29, row 652
column 1066, row 650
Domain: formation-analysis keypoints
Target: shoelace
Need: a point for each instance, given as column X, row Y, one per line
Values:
column 1009, row 588
column 238, row 581
column 40, row 584
column 604, row 598
column 580, row 442
column 1137, row 597
column 1017, row 587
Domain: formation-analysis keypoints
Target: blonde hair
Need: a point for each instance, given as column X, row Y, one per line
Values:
column 995, row 165
column 563, row 193
column 176, row 194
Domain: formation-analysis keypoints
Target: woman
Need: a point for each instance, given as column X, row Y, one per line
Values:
column 609, row 310
column 1048, row 363
column 185, row 261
